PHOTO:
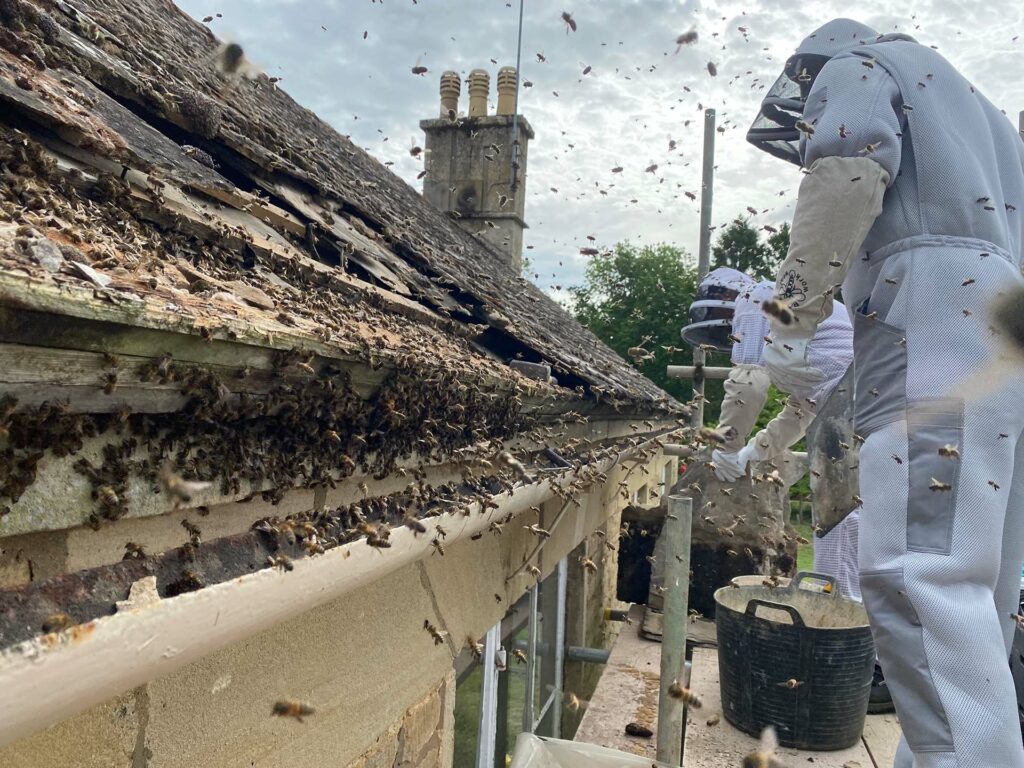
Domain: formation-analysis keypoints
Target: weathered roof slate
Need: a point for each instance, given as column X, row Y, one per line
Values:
column 132, row 83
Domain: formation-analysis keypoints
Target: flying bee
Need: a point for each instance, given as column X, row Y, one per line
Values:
column 764, row 755
column 57, row 622
column 475, row 648
column 589, row 565
column 518, row 655
column 177, row 487
column 713, row 720
column 687, row 38
column 438, row 546
column 805, row 128
column 414, row 149
column 938, row 485
column 712, row 69
column 709, row 435
column 779, row 310
column 435, row 633
column 292, row 708
column 536, row 530
column 281, row 561
column 792, row 684
column 949, row 451
column 419, row 69
column 414, row 525
column 534, row 571
column 685, row 695
column 573, row 702
column 570, row 22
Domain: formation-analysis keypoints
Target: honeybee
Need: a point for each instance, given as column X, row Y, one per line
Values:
column 518, row 655
column 292, row 708
column 778, row 309
column 56, row 622
column 133, row 551
column 534, row 571
column 687, row 38
column 437, row 634
column 764, row 755
column 107, row 497
column 713, row 720
column 477, row 649
column 938, row 485
column 177, row 487
column 109, row 381
column 573, row 702
column 792, row 684
column 536, row 530
column 949, row 451
column 281, row 561
column 709, row 435
column 570, row 22
column 685, row 695
column 414, row 525
column 589, row 565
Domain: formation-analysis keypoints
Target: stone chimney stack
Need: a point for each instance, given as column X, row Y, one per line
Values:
column 451, row 89
column 469, row 161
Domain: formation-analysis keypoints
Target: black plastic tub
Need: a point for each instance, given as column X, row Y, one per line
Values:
column 796, row 658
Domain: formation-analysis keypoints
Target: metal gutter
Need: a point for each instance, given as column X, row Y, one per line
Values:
column 52, row 677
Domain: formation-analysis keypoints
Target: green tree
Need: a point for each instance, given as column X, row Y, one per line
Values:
column 740, row 247
column 637, row 292
column 778, row 244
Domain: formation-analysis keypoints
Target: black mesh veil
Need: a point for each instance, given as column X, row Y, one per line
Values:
column 774, row 130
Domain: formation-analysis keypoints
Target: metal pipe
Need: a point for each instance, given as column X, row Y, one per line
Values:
column 572, row 653
column 691, row 371
column 515, row 105
column 676, row 570
column 50, row 678
column 704, row 251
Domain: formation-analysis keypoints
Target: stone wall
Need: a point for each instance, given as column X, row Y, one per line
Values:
column 383, row 691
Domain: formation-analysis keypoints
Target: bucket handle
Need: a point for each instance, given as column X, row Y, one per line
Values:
column 806, row 575
column 794, row 614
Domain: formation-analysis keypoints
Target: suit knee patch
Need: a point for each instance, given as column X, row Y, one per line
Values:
column 880, row 374
column 900, row 641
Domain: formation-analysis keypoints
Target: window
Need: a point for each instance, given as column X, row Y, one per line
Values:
column 499, row 697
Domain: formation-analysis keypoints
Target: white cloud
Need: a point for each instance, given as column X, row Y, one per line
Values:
column 622, row 113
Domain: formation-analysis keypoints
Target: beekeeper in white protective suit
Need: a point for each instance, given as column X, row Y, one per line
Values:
column 913, row 202
column 746, row 392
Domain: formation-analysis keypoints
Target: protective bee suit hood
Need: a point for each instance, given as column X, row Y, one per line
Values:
column 775, row 128
column 711, row 313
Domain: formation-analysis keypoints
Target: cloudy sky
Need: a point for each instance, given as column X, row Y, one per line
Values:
column 350, row 61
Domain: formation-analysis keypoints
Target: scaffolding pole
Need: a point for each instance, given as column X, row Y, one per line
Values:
column 676, row 569
column 704, row 252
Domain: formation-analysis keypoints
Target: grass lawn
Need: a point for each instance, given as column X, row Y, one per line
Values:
column 805, row 552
